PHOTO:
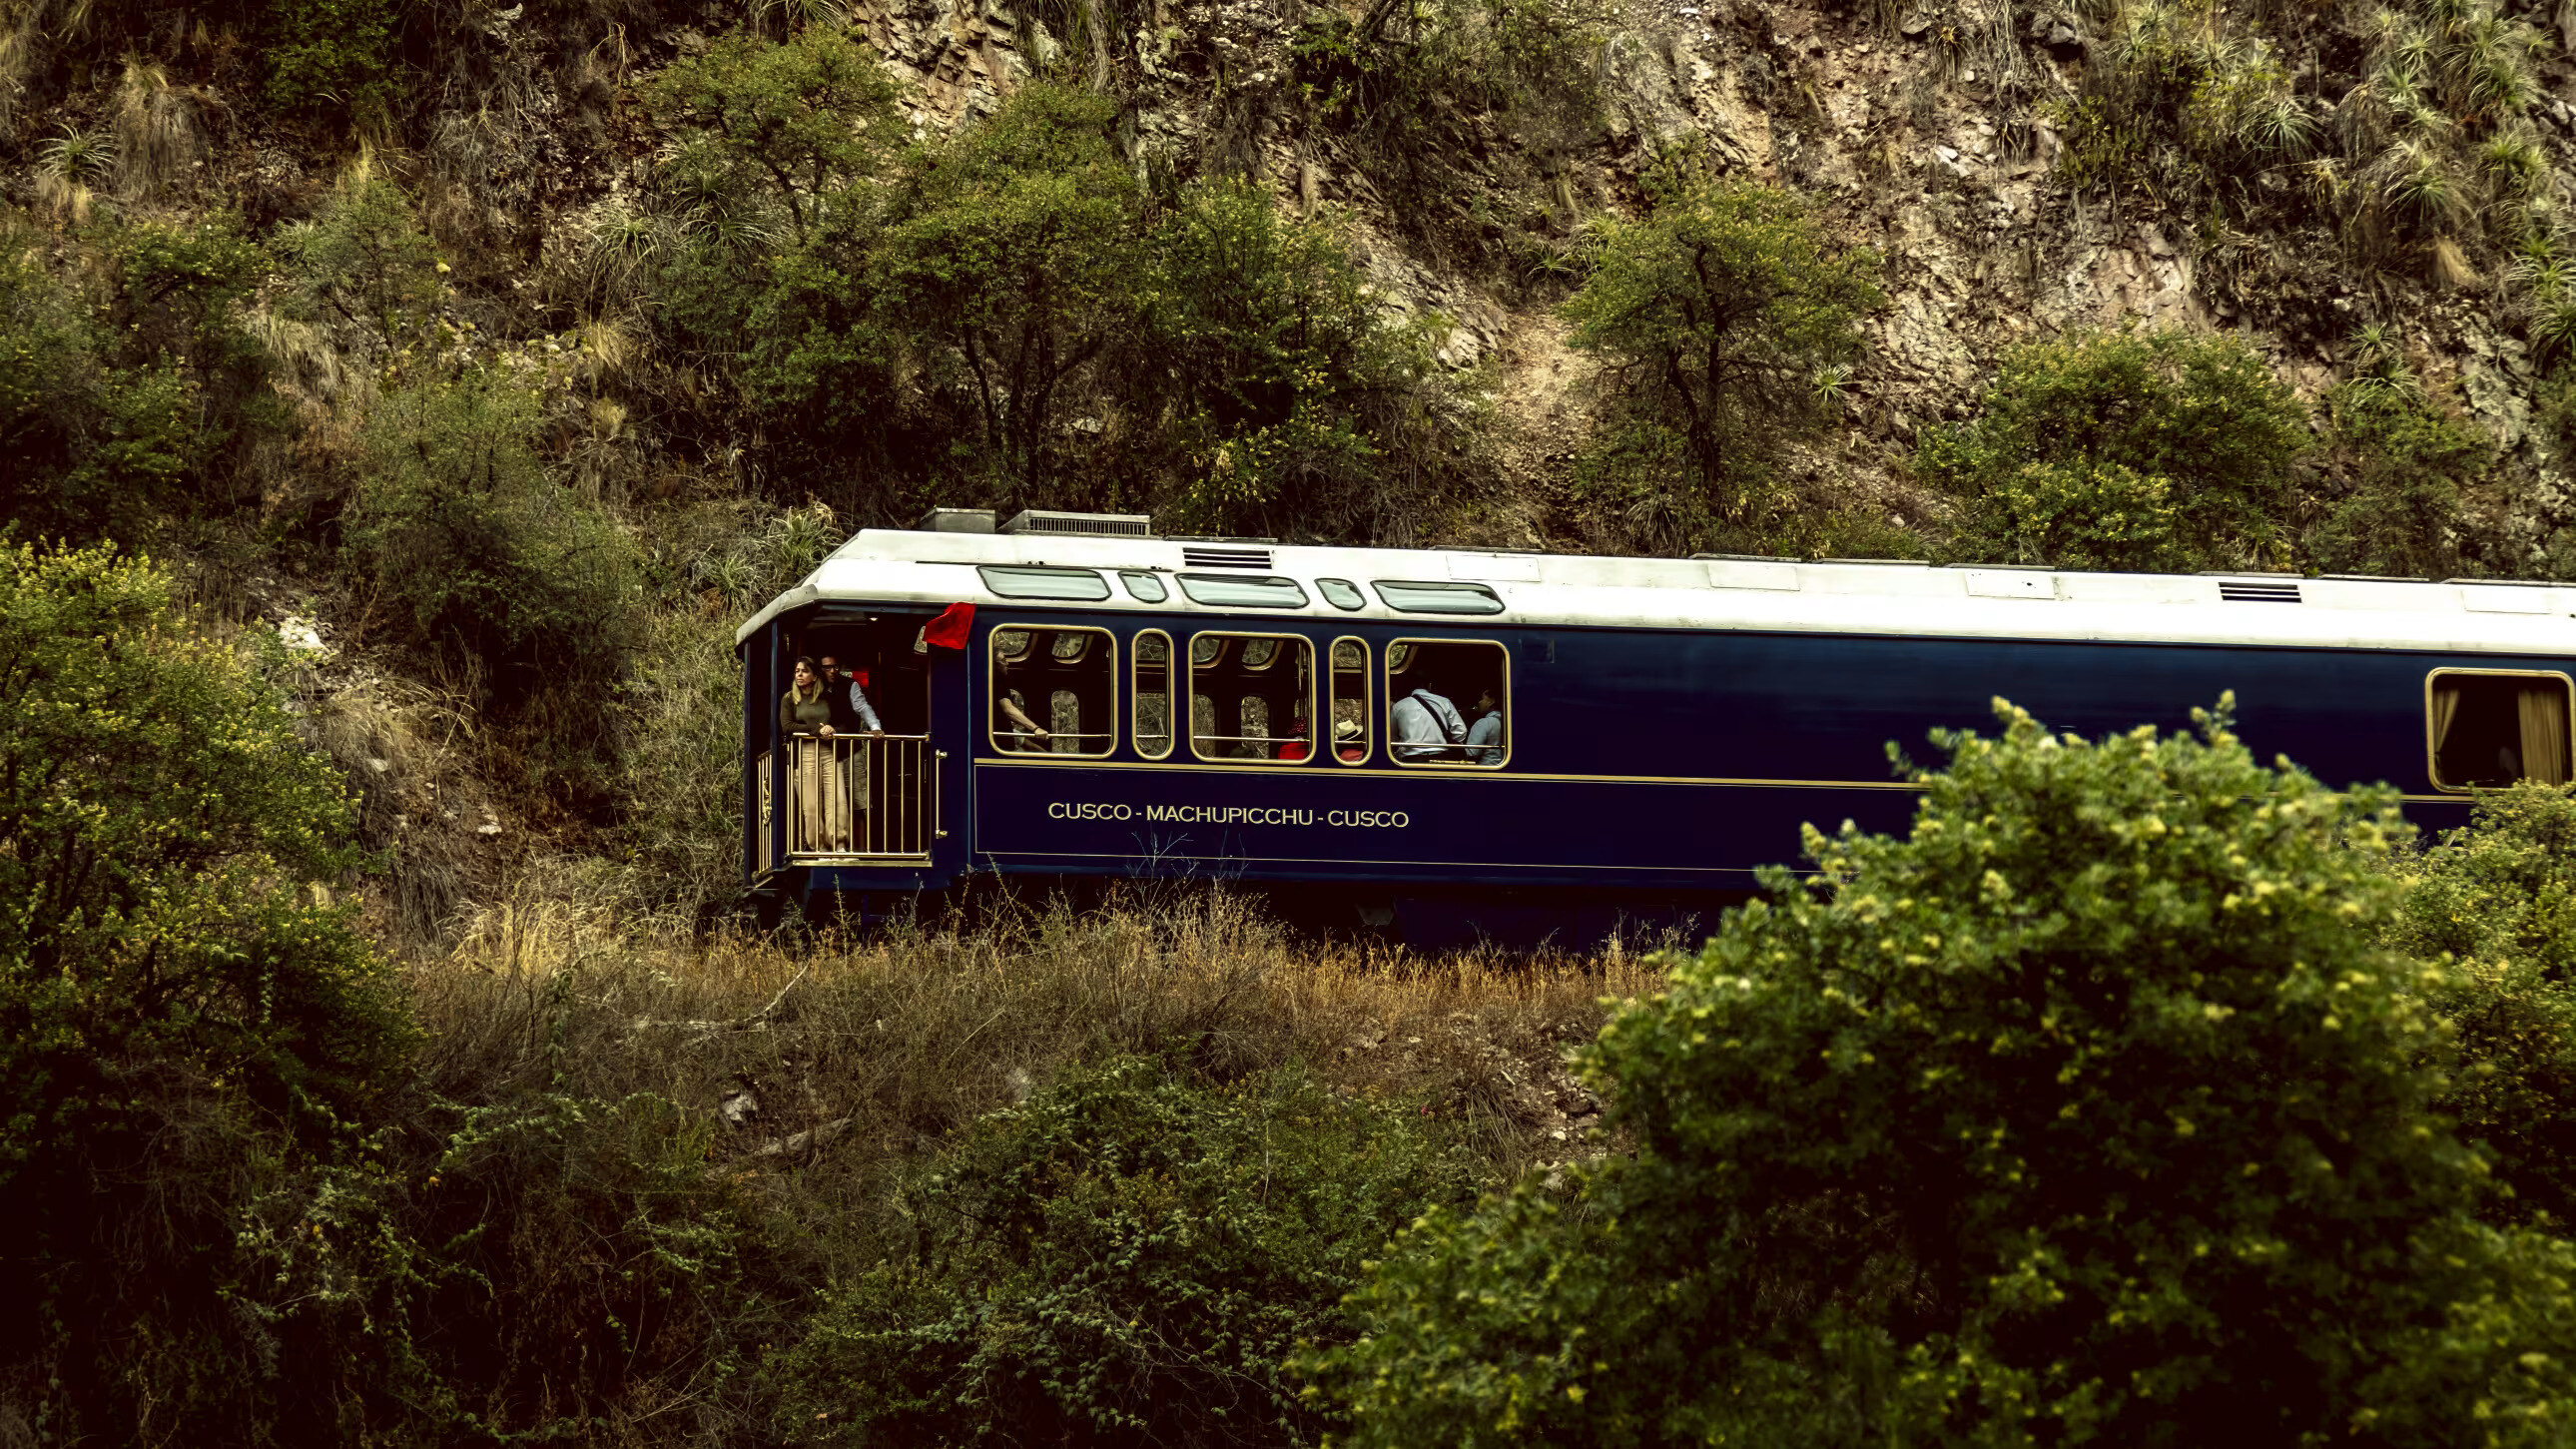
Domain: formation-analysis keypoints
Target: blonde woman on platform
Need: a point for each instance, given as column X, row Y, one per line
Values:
column 821, row 820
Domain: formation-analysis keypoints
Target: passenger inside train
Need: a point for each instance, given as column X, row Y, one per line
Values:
column 1427, row 682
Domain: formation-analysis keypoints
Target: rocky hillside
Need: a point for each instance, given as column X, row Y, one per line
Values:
column 2019, row 170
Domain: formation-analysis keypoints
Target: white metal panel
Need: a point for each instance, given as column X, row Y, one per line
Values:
column 2011, row 584
column 1751, row 574
column 2508, row 599
column 1515, row 568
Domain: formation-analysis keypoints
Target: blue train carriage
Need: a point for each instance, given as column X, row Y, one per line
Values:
column 1071, row 696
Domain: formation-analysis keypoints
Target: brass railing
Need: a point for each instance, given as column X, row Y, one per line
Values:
column 861, row 797
column 767, row 833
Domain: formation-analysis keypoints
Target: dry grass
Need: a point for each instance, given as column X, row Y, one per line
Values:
column 886, row 1045
column 159, row 134
column 768, row 1099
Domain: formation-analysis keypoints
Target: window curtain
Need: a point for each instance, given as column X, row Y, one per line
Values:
column 2446, row 708
column 2543, row 708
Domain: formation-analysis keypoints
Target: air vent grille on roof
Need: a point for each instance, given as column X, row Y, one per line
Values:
column 1080, row 525
column 2247, row 591
column 1226, row 558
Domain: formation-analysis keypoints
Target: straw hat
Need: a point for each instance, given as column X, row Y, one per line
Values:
column 1348, row 729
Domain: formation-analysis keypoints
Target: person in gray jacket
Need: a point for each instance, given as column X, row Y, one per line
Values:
column 1485, row 736
column 1423, row 727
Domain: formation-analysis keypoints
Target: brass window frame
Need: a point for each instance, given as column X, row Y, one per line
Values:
column 1191, row 694
column 1174, row 660
column 993, row 689
column 1511, row 731
column 1368, row 702
column 2432, row 755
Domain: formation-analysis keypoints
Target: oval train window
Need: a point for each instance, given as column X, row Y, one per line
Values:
column 1227, row 591
column 1341, row 593
column 1438, row 598
column 1026, row 581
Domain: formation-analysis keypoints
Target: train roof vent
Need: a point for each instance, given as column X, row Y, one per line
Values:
column 2257, row 591
column 1080, row 525
column 1205, row 556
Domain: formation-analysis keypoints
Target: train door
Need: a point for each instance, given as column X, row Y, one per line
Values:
column 859, row 780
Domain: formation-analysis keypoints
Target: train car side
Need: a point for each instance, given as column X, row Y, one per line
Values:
column 1071, row 708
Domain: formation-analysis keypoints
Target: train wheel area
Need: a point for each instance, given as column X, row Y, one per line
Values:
column 1433, row 920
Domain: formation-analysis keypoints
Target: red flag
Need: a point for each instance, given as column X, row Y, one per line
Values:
column 952, row 628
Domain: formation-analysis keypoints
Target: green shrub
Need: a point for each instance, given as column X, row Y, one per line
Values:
column 2190, row 437
column 504, row 582
column 362, row 264
column 1727, row 319
column 2088, row 1112
column 1265, row 347
column 1009, row 318
column 2073, row 516
column 2406, row 461
column 1013, row 259
column 183, row 1020
column 797, row 122
column 1127, row 1258
column 120, row 402
column 332, row 59
column 2500, row 898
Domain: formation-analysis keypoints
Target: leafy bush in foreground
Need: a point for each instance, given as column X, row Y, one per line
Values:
column 2500, row 898
column 183, row 1023
column 1126, row 1259
column 2089, row 1112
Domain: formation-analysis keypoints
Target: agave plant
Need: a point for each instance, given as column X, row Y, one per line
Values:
column 2407, row 52
column 2553, row 327
column 68, row 167
column 2541, row 279
column 734, row 578
column 797, row 539
column 799, row 14
column 2539, row 225
column 1832, row 387
column 2277, row 125
column 621, row 244
column 2512, row 163
column 2379, row 361
column 2488, row 70
column 80, row 156
column 2412, row 182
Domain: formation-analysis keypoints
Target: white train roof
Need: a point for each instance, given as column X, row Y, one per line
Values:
column 890, row 566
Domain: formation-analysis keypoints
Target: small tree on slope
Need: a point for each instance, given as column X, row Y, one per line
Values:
column 2088, row 1113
